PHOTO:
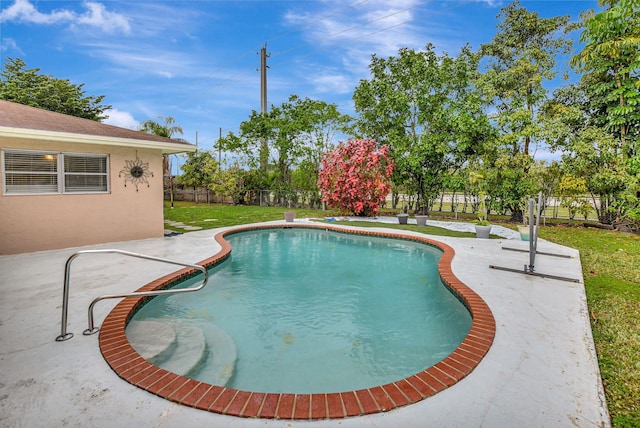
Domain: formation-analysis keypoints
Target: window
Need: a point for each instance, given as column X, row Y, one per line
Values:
column 34, row 172
column 85, row 173
column 30, row 172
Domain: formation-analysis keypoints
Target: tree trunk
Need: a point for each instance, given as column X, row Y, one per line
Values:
column 517, row 215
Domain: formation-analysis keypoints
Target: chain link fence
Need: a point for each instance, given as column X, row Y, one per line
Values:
column 573, row 207
column 579, row 208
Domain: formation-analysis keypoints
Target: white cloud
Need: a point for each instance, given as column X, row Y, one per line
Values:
column 492, row 3
column 366, row 24
column 348, row 36
column 24, row 11
column 332, row 82
column 96, row 15
column 144, row 58
column 122, row 119
column 166, row 74
column 7, row 44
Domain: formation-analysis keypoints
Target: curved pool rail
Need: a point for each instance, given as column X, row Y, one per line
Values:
column 130, row 366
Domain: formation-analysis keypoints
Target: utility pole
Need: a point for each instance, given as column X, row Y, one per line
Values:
column 220, row 148
column 264, row 147
column 263, row 78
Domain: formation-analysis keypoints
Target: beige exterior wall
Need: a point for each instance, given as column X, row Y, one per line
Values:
column 44, row 222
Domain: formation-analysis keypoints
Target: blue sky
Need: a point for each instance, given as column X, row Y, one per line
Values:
column 197, row 60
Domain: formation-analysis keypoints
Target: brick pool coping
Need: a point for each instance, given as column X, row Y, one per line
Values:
column 130, row 366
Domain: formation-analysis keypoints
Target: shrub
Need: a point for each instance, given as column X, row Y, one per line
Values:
column 354, row 177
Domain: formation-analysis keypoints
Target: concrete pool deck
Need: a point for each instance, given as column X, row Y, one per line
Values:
column 541, row 370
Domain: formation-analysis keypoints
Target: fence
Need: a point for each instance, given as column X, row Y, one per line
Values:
column 555, row 207
column 288, row 199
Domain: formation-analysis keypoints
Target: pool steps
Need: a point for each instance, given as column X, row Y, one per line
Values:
column 219, row 366
column 187, row 349
column 153, row 340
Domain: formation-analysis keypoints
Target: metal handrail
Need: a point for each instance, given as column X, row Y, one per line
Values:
column 64, row 335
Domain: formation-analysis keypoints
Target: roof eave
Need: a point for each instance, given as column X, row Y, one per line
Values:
column 66, row 137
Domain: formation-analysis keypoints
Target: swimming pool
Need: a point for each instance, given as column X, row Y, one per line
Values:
column 420, row 383
column 315, row 311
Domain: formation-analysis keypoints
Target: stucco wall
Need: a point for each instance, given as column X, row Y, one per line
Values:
column 43, row 222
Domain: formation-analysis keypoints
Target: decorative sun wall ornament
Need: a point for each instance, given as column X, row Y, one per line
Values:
column 136, row 172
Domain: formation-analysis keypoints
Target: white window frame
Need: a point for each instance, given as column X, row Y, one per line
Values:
column 60, row 173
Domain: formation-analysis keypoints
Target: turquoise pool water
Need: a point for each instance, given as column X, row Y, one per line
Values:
column 313, row 311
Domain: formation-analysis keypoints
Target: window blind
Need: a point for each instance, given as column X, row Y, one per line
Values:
column 31, row 172
column 84, row 173
column 26, row 172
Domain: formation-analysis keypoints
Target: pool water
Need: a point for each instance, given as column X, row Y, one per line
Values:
column 314, row 311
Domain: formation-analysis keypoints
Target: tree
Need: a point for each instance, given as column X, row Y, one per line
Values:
column 590, row 152
column 319, row 139
column 428, row 109
column 295, row 130
column 355, row 177
column 520, row 58
column 610, row 61
column 571, row 189
column 229, row 182
column 197, row 170
column 28, row 87
column 166, row 127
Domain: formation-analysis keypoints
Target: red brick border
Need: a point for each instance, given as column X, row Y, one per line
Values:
column 130, row 366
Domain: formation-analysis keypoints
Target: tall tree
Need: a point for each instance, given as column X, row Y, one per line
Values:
column 596, row 122
column 572, row 125
column 610, row 61
column 29, row 87
column 428, row 109
column 295, row 130
column 164, row 127
column 520, row 59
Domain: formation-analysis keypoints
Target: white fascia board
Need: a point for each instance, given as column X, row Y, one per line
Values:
column 67, row 137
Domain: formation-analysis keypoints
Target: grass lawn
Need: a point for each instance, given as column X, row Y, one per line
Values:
column 611, row 270
column 210, row 216
column 430, row 230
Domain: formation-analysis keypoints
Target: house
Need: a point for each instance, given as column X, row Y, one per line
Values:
column 68, row 181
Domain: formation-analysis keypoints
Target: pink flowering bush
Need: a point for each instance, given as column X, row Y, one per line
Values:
column 355, row 177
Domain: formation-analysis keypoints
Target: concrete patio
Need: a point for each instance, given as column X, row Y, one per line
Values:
column 541, row 370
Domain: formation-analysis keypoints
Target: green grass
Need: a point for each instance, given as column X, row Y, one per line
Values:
column 611, row 269
column 429, row 230
column 210, row 216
